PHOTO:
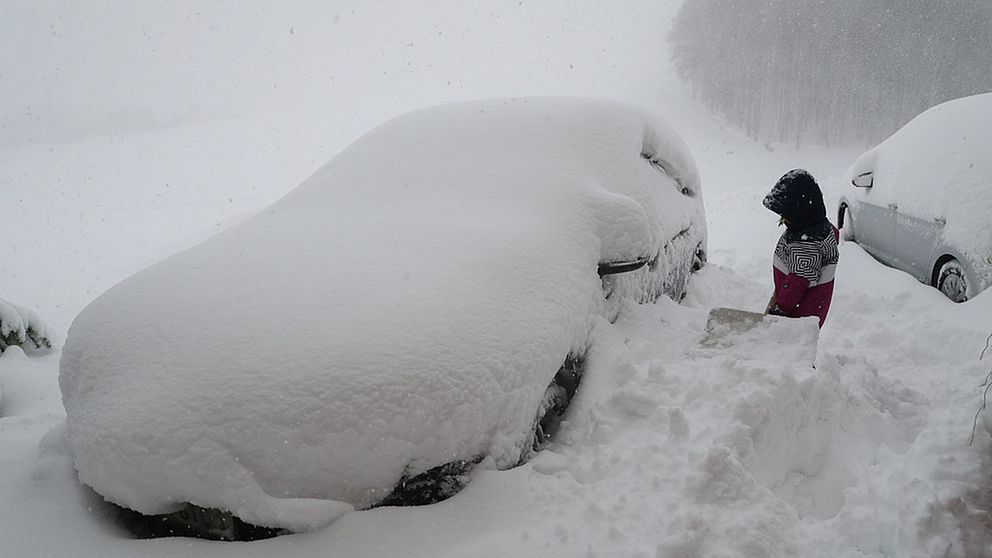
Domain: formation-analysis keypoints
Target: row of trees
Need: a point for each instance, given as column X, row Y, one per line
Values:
column 831, row 70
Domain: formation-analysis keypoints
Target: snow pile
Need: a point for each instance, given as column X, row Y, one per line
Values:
column 406, row 306
column 715, row 449
column 937, row 167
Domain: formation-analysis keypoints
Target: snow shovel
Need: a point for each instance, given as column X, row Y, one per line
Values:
column 724, row 322
column 753, row 334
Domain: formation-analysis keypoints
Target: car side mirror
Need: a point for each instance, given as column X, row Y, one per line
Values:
column 864, row 180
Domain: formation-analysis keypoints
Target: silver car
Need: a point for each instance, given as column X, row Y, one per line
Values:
column 922, row 199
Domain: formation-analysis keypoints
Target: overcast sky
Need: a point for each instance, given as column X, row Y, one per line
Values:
column 87, row 66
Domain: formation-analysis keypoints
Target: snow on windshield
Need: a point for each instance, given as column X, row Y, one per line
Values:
column 405, row 306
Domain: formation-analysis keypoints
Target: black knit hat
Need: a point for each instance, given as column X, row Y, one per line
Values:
column 797, row 197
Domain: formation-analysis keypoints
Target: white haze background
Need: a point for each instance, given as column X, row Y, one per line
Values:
column 129, row 131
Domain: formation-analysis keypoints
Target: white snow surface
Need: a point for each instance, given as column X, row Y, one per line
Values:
column 669, row 451
column 938, row 166
column 405, row 307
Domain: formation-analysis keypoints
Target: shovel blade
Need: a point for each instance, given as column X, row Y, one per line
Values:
column 724, row 322
column 754, row 335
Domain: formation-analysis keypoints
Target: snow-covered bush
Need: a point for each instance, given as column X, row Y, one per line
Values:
column 23, row 328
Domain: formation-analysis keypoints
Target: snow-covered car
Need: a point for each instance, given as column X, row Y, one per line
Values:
column 421, row 303
column 922, row 198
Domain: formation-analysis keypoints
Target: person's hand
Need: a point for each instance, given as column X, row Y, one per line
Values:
column 771, row 305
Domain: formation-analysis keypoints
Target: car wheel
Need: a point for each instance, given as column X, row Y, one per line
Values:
column 952, row 282
column 431, row 486
column 192, row 521
column 555, row 402
column 549, row 415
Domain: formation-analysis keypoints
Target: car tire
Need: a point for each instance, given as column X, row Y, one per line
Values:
column 952, row 281
column 549, row 415
column 554, row 403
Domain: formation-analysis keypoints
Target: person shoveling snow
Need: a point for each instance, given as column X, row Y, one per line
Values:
column 806, row 254
column 804, row 262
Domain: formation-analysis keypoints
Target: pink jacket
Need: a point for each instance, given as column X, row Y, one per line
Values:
column 803, row 268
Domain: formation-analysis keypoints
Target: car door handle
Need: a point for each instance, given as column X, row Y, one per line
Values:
column 893, row 206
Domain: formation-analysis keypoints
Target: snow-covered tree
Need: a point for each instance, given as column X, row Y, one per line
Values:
column 22, row 327
column 831, row 70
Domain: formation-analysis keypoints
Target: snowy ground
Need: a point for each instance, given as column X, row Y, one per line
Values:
column 671, row 449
